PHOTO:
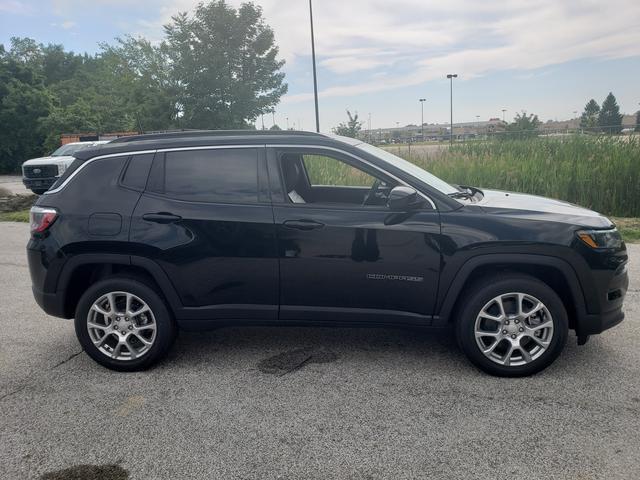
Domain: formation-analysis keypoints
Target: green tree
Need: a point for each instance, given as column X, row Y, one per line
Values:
column 351, row 128
column 589, row 117
column 275, row 127
column 523, row 126
column 224, row 61
column 24, row 103
column 610, row 118
column 638, row 121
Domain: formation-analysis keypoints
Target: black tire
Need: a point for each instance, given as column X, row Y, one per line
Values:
column 480, row 294
column 39, row 191
column 165, row 326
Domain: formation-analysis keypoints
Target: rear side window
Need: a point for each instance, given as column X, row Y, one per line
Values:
column 218, row 175
column 137, row 171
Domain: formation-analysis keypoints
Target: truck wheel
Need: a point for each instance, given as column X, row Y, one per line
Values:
column 512, row 326
column 124, row 324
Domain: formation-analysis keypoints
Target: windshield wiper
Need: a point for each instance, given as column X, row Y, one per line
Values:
column 461, row 195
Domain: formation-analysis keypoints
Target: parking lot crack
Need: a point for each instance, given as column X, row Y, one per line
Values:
column 71, row 357
column 17, row 390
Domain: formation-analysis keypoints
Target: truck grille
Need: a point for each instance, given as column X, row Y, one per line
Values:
column 41, row 171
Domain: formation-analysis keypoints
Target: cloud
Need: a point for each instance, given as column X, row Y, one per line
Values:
column 375, row 45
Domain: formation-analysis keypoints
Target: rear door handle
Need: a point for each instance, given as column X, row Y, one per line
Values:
column 161, row 217
column 303, row 224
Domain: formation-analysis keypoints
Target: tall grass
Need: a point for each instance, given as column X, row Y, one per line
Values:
column 602, row 173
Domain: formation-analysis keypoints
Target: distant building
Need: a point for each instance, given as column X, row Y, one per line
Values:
column 92, row 137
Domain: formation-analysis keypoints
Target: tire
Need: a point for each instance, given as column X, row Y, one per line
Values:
column 148, row 326
column 39, row 191
column 536, row 336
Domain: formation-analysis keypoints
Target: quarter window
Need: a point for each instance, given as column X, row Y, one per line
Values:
column 217, row 175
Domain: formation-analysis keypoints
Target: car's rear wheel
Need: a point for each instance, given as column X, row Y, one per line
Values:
column 123, row 324
column 512, row 326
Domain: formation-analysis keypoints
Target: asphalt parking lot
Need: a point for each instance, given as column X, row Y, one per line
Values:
column 308, row 403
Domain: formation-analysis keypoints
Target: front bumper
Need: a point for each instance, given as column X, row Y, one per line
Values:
column 39, row 183
column 612, row 299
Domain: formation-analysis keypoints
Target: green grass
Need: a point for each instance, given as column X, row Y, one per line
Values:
column 601, row 173
column 629, row 228
column 20, row 216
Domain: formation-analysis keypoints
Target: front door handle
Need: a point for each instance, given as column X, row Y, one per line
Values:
column 303, row 224
column 161, row 217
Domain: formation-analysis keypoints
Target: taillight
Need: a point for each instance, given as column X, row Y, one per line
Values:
column 42, row 218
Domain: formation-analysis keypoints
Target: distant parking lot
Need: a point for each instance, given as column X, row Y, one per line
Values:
column 13, row 183
column 298, row 403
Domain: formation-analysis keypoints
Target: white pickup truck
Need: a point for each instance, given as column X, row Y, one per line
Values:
column 39, row 174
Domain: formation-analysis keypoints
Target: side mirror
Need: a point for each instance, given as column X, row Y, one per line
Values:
column 402, row 199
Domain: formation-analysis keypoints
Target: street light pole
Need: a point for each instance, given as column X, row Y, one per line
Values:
column 422, row 100
column 451, row 76
column 315, row 78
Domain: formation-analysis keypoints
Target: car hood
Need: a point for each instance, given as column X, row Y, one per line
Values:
column 496, row 201
column 49, row 160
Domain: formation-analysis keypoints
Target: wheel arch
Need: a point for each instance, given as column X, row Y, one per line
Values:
column 82, row 271
column 555, row 272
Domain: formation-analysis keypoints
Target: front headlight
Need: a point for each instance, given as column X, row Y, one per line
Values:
column 62, row 167
column 601, row 238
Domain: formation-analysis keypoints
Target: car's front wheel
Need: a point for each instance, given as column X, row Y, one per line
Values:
column 512, row 326
column 123, row 324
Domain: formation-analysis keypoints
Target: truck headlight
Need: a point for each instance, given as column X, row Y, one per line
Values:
column 601, row 238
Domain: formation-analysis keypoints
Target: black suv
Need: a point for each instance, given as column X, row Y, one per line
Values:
column 206, row 229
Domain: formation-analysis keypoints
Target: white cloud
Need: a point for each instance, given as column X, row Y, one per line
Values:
column 408, row 42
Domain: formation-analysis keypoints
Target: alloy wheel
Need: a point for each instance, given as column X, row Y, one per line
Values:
column 514, row 329
column 121, row 326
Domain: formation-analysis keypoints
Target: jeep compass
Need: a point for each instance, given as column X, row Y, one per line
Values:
column 149, row 234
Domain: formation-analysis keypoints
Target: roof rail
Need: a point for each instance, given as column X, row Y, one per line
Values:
column 212, row 133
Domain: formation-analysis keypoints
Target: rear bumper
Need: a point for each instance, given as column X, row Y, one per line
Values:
column 51, row 303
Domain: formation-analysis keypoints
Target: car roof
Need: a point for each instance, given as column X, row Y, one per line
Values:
column 184, row 139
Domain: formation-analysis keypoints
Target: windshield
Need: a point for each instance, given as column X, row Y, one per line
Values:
column 70, row 149
column 410, row 168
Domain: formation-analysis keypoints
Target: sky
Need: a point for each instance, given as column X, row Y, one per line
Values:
column 379, row 57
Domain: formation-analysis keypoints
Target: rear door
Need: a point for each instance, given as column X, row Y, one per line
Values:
column 205, row 217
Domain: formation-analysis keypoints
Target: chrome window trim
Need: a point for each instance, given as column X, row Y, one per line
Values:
column 219, row 147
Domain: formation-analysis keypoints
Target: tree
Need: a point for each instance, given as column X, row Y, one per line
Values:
column 523, row 125
column 610, row 118
column 275, row 127
column 24, row 103
column 225, row 64
column 638, row 121
column 351, row 128
column 589, row 118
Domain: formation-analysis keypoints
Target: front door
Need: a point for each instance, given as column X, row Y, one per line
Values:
column 344, row 256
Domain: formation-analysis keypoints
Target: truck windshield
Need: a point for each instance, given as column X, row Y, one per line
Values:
column 410, row 168
column 70, row 149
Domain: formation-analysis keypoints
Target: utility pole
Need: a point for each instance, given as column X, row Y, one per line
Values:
column 287, row 118
column 451, row 76
column 315, row 77
column 422, row 100
column 503, row 112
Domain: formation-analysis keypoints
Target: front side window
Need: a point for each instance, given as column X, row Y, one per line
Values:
column 324, row 179
column 218, row 175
